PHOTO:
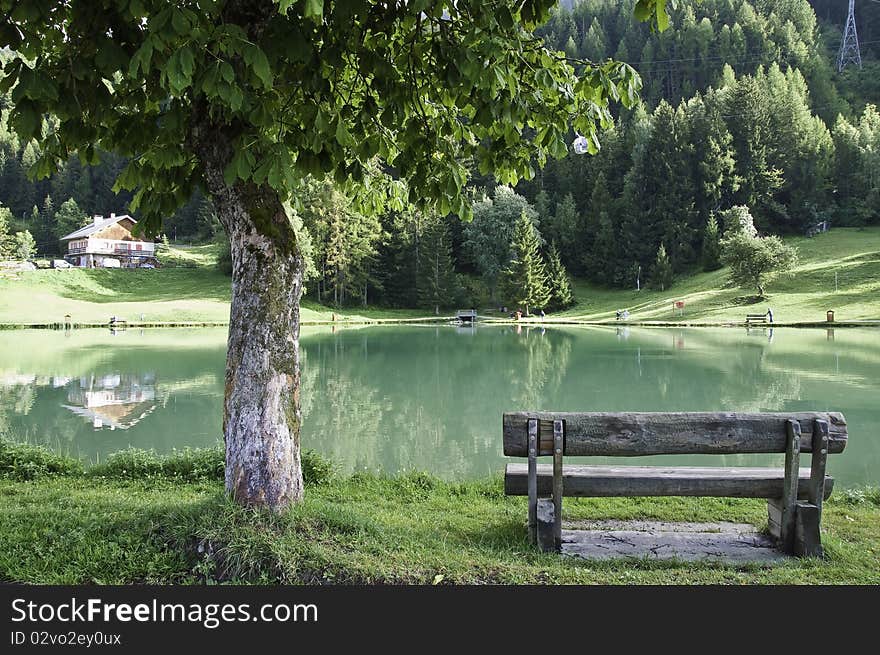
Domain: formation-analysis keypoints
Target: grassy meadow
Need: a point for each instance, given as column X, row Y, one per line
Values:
column 189, row 288
column 139, row 518
column 853, row 254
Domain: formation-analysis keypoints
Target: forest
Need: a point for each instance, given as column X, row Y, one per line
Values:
column 743, row 107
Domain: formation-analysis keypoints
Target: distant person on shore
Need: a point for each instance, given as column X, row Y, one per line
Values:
column 769, row 315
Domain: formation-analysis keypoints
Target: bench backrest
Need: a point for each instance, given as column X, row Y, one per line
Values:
column 631, row 434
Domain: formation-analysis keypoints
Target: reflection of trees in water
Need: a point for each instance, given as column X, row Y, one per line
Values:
column 340, row 409
column 424, row 402
column 539, row 366
column 756, row 386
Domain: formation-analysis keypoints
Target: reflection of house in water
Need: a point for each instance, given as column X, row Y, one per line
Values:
column 115, row 400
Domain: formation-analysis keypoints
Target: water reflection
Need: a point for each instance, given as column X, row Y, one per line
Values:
column 431, row 398
column 115, row 401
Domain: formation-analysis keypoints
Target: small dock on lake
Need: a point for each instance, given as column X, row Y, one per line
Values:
column 466, row 316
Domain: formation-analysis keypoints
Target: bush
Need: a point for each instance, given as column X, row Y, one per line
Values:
column 26, row 462
column 193, row 465
column 224, row 258
column 188, row 465
column 316, row 468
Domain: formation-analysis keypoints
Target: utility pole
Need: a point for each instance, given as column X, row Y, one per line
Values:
column 849, row 48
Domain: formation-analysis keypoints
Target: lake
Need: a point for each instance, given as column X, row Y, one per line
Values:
column 431, row 397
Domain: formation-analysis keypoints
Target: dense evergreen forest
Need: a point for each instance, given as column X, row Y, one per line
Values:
column 742, row 107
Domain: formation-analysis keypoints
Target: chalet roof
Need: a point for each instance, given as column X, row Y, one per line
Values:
column 98, row 224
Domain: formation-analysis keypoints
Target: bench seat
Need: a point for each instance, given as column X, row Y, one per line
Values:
column 595, row 481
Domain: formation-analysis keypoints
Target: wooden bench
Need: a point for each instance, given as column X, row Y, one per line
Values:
column 756, row 318
column 794, row 494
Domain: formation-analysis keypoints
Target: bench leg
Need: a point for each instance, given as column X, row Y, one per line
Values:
column 558, row 431
column 807, row 541
column 533, row 480
column 546, row 516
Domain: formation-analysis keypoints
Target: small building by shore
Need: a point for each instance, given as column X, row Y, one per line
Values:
column 108, row 242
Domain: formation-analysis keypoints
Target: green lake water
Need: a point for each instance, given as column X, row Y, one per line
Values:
column 431, row 398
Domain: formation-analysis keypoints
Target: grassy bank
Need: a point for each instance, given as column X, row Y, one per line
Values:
column 850, row 254
column 838, row 270
column 188, row 288
column 142, row 519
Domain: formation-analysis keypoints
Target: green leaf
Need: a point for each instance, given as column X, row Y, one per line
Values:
column 314, row 9
column 179, row 22
column 256, row 59
column 26, row 119
column 343, row 136
column 662, row 16
column 643, row 10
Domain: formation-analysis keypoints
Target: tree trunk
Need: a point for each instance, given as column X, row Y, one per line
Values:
column 261, row 418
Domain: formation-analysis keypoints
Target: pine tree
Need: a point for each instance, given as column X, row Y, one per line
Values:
column 437, row 283
column 559, row 284
column 599, row 260
column 565, row 223
column 525, row 276
column 46, row 231
column 25, row 246
column 69, row 218
column 711, row 245
column 661, row 274
column 6, row 243
column 749, row 125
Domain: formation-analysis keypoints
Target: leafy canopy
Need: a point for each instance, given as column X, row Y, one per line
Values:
column 298, row 87
column 754, row 260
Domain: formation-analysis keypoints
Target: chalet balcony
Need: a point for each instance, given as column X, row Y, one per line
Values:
column 122, row 248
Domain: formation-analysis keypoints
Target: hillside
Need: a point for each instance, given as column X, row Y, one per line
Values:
column 201, row 293
column 852, row 253
column 188, row 288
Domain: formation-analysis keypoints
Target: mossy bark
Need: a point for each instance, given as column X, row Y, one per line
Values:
column 261, row 418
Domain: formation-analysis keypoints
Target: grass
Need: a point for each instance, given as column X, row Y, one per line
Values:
column 189, row 288
column 142, row 519
column 851, row 253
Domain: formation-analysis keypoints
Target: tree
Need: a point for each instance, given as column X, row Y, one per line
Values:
column 489, row 235
column 245, row 98
column 6, row 243
column 525, row 278
column 565, row 224
column 25, row 246
column 437, row 283
column 711, row 245
column 69, row 218
column 344, row 241
column 661, row 273
column 754, row 260
column 558, row 282
column 759, row 179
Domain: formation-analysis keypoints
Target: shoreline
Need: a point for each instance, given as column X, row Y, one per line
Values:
column 441, row 320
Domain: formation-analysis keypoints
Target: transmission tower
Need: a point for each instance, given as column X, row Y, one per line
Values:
column 849, row 49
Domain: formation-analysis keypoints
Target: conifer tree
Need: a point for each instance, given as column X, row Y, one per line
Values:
column 70, row 217
column 661, row 275
column 6, row 243
column 525, row 276
column 711, row 245
column 565, row 224
column 437, row 283
column 559, row 284
column 25, row 246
